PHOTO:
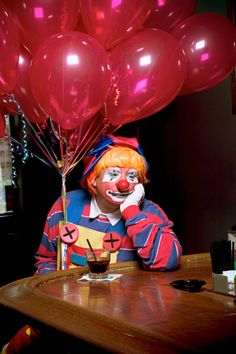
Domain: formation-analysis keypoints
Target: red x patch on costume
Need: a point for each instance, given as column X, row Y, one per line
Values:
column 69, row 233
column 112, row 241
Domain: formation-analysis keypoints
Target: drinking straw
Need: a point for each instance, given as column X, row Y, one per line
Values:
column 91, row 249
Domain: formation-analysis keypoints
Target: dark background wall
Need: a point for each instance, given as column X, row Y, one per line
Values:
column 191, row 149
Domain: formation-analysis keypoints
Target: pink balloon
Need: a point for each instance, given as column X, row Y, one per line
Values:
column 23, row 93
column 9, row 49
column 82, row 136
column 208, row 41
column 89, row 129
column 70, row 77
column 80, row 26
column 10, row 106
column 148, row 72
column 168, row 13
column 38, row 20
column 111, row 21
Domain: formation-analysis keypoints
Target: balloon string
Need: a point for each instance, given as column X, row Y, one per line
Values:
column 101, row 129
column 59, row 254
column 51, row 156
column 82, row 149
column 41, row 142
column 116, row 128
column 65, row 151
column 60, row 141
column 13, row 99
column 68, row 161
column 31, row 153
column 63, row 193
column 85, row 148
column 53, row 162
column 64, row 251
column 61, row 247
column 24, row 141
column 40, row 132
column 31, row 126
column 13, row 173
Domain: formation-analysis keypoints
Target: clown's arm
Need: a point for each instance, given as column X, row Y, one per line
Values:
column 46, row 256
column 151, row 232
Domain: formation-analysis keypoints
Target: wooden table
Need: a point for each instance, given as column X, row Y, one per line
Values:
column 137, row 313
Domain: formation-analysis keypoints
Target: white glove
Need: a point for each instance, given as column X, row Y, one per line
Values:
column 135, row 198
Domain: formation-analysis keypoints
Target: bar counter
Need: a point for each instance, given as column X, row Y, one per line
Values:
column 140, row 312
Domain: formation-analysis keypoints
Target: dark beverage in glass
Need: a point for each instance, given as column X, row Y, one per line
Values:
column 98, row 263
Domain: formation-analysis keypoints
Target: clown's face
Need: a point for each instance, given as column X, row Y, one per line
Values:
column 113, row 186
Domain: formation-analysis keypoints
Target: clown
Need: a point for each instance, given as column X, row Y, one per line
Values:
column 111, row 212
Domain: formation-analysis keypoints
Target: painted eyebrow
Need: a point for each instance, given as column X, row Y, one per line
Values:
column 113, row 170
column 132, row 172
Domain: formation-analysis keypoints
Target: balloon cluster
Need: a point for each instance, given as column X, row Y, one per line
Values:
column 105, row 63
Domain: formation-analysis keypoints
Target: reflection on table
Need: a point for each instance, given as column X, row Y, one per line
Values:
column 140, row 312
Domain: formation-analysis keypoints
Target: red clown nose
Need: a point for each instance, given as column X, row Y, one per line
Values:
column 122, row 185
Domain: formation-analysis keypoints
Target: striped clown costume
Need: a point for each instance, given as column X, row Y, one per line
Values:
column 130, row 226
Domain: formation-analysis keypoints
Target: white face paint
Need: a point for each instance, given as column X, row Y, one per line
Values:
column 107, row 183
column 132, row 176
column 113, row 174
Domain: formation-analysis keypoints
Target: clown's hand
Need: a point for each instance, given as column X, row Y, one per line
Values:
column 135, row 198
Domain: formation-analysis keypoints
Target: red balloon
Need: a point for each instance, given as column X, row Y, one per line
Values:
column 9, row 49
column 80, row 25
column 208, row 41
column 10, row 105
column 38, row 20
column 148, row 72
column 89, row 127
column 87, row 130
column 70, row 77
column 111, row 21
column 23, row 93
column 168, row 13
